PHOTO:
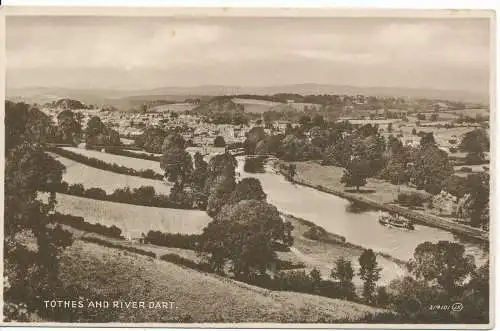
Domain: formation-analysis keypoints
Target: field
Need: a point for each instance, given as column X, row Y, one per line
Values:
column 175, row 107
column 255, row 106
column 197, row 297
column 441, row 135
column 77, row 173
column 131, row 219
column 129, row 162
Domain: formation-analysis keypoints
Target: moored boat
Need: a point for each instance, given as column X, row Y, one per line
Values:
column 395, row 220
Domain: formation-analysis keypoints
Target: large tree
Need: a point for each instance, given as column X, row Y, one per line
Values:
column 175, row 161
column 98, row 134
column 356, row 173
column 243, row 234
column 32, row 242
column 444, row 263
column 69, row 128
column 221, row 181
column 431, row 167
column 247, row 189
column 198, row 181
column 475, row 144
column 369, row 273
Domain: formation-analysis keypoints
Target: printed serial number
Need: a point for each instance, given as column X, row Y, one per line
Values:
column 457, row 306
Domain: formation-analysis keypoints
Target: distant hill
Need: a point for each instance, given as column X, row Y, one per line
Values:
column 125, row 98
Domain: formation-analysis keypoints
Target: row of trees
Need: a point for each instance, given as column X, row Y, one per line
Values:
column 364, row 153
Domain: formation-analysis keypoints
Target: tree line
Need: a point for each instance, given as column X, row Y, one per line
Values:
column 364, row 153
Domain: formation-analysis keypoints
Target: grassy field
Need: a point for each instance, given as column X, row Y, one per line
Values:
column 77, row 173
column 131, row 219
column 175, row 107
column 255, row 106
column 129, row 162
column 117, row 275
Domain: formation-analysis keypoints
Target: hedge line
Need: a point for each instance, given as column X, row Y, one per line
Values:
column 143, row 156
column 123, row 247
column 177, row 259
column 142, row 196
column 177, row 240
column 80, row 224
column 99, row 164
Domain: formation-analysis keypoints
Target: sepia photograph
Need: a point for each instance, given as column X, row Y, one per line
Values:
column 248, row 167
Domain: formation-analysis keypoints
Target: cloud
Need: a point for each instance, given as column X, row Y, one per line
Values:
column 249, row 51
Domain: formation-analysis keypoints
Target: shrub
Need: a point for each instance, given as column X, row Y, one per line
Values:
column 95, row 193
column 412, row 199
column 76, row 189
column 318, row 233
column 118, row 246
column 80, row 224
column 453, row 150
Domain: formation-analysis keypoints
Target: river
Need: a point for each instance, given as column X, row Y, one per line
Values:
column 359, row 227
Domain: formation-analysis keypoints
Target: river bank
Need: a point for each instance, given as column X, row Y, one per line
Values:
column 330, row 184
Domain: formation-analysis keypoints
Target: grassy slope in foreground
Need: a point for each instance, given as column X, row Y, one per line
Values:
column 132, row 219
column 77, row 173
column 118, row 275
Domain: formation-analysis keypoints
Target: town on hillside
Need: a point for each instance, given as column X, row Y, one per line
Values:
column 306, row 204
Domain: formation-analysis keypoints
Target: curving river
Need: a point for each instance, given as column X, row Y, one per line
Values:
column 335, row 215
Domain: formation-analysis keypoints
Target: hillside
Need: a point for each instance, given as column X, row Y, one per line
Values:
column 218, row 105
column 118, row 275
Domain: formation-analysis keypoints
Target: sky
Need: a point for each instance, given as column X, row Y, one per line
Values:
column 145, row 53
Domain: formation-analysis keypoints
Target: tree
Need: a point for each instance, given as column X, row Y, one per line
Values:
column 69, row 128
column 219, row 142
column 356, row 173
column 305, row 120
column 430, row 168
column 220, row 182
column 369, row 273
column 247, row 189
column 198, row 181
column 254, row 164
column 344, row 273
column 255, row 135
column 476, row 296
column 98, row 134
column 475, row 144
column 428, row 140
column 33, row 242
column 175, row 161
column 476, row 199
column 243, row 235
column 152, row 140
column 291, row 171
column 444, row 263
